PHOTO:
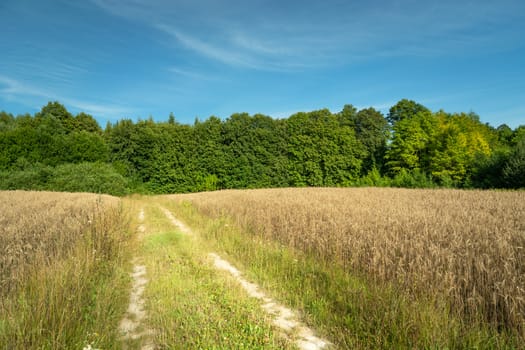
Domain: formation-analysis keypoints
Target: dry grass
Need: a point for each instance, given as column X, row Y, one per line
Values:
column 40, row 227
column 466, row 246
column 59, row 269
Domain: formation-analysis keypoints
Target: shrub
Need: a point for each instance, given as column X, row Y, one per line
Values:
column 88, row 177
column 412, row 179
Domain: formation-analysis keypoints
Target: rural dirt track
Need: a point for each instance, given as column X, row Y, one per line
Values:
column 283, row 318
column 131, row 326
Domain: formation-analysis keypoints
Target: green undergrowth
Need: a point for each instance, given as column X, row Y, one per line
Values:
column 348, row 309
column 192, row 306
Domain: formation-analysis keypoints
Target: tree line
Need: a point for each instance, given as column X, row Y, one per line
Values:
column 409, row 147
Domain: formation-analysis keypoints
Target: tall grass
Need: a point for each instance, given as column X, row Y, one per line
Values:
column 61, row 281
column 463, row 247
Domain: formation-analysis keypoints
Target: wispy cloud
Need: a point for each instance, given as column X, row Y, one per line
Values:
column 113, row 112
column 12, row 89
column 52, row 71
column 235, row 51
column 206, row 49
column 296, row 36
column 191, row 74
column 264, row 47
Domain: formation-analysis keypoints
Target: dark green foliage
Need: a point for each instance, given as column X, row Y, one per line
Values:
column 88, row 177
column 514, row 169
column 505, row 133
column 372, row 131
column 405, row 109
column 52, row 137
column 488, row 171
column 208, row 157
column 320, row 151
column 26, row 176
column 85, row 122
column 168, row 164
column 58, row 111
column 85, row 146
column 411, row 147
column 253, row 151
column 7, row 121
column 82, row 177
column 414, row 178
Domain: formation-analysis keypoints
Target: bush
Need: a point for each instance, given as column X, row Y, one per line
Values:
column 26, row 177
column 88, row 177
column 514, row 170
column 412, row 179
column 373, row 179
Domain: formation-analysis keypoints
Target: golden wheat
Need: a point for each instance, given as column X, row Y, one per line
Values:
column 61, row 284
column 465, row 245
column 37, row 228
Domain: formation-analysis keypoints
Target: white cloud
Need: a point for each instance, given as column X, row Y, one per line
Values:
column 101, row 110
column 227, row 56
column 26, row 94
column 268, row 47
column 192, row 74
column 14, row 88
column 291, row 36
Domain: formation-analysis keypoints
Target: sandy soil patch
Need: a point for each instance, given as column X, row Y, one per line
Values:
column 131, row 325
column 283, row 317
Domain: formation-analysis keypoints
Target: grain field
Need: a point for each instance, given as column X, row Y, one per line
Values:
column 464, row 246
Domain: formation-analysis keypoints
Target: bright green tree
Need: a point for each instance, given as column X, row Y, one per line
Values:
column 410, row 148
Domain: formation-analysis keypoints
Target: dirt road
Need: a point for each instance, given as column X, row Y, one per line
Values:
column 135, row 328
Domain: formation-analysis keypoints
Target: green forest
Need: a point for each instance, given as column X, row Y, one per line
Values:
column 411, row 146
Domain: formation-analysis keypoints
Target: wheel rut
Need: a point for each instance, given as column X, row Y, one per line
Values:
column 283, row 318
column 132, row 325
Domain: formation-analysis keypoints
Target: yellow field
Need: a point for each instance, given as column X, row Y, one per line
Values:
column 465, row 246
column 58, row 269
column 40, row 227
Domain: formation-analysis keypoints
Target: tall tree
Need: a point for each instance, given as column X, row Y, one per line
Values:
column 372, row 131
column 60, row 112
column 321, row 152
column 405, row 109
column 514, row 169
column 7, row 121
column 411, row 143
column 209, row 163
column 86, row 122
column 85, row 146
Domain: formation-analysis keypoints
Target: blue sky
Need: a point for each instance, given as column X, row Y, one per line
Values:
column 133, row 59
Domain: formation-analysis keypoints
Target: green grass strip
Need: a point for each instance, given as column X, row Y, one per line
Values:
column 192, row 306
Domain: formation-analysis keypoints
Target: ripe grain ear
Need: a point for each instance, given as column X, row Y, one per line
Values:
column 464, row 246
